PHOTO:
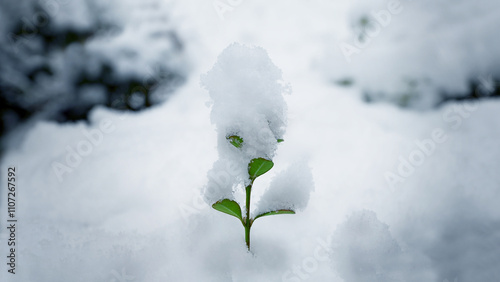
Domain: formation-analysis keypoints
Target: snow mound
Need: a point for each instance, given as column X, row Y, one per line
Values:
column 289, row 189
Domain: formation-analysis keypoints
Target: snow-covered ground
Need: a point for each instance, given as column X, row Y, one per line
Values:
column 399, row 195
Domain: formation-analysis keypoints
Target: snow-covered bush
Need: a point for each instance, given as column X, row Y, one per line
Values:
column 60, row 58
column 419, row 54
column 249, row 112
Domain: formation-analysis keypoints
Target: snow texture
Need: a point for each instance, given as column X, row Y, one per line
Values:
column 363, row 249
column 289, row 189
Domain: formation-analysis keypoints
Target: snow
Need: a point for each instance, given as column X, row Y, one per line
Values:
column 363, row 249
column 129, row 206
column 247, row 103
column 51, row 48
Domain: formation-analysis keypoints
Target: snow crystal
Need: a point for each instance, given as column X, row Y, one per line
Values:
column 290, row 189
column 247, row 93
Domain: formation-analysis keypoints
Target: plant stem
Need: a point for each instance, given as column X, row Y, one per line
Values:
column 248, row 222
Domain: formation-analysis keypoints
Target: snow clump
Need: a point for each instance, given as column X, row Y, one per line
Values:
column 249, row 112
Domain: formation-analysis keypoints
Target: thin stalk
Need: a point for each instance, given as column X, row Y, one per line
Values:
column 248, row 221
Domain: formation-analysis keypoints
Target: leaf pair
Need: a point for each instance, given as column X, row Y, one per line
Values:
column 233, row 208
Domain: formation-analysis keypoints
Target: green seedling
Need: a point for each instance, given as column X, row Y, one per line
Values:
column 256, row 168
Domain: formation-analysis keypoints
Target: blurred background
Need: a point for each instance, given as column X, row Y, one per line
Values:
column 62, row 58
column 394, row 105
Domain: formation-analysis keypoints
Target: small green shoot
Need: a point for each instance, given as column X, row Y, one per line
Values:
column 258, row 167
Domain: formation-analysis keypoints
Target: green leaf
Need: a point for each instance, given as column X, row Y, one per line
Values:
column 280, row 140
column 258, row 167
column 235, row 140
column 228, row 206
column 275, row 212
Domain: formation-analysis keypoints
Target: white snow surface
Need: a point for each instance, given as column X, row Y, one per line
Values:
column 363, row 249
column 119, row 198
column 289, row 190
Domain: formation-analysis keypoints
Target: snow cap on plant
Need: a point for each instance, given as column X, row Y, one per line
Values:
column 249, row 113
column 248, row 110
